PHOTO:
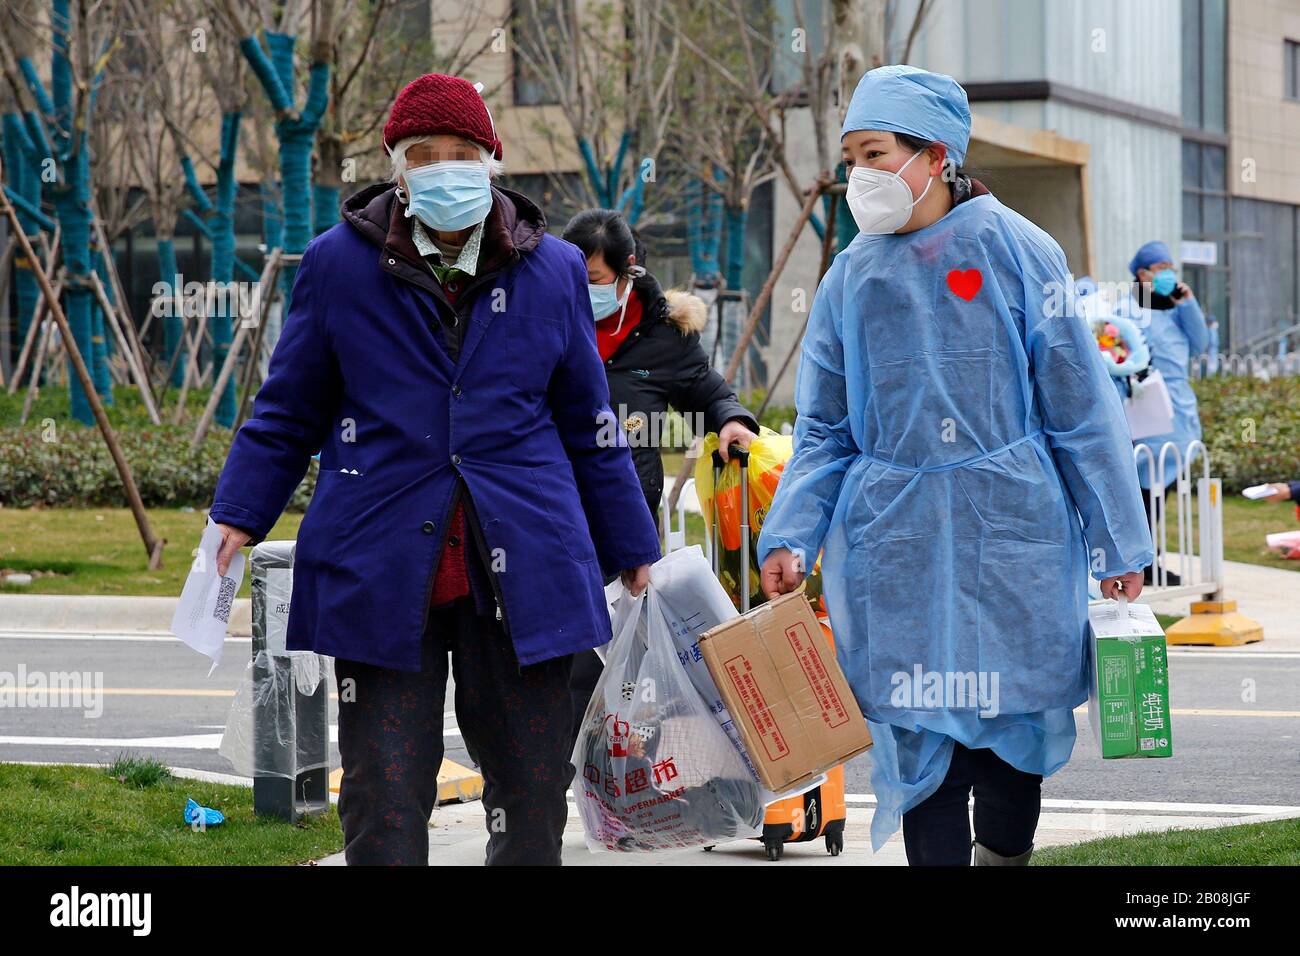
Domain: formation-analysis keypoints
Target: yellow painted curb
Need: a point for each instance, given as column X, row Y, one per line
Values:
column 1215, row 623
column 456, row 784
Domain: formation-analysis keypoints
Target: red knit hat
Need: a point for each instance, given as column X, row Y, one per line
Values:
column 436, row 104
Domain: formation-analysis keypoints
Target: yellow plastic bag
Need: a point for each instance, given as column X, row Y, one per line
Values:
column 768, row 454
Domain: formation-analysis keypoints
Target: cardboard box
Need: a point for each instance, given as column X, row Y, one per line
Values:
column 778, row 676
column 1128, row 704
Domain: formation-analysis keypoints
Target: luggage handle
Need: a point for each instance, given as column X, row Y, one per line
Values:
column 736, row 451
column 741, row 456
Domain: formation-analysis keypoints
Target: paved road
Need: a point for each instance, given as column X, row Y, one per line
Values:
column 1231, row 748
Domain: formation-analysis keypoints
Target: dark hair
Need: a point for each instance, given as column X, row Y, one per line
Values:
column 958, row 179
column 607, row 232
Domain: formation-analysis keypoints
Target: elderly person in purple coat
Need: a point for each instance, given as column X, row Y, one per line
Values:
column 440, row 353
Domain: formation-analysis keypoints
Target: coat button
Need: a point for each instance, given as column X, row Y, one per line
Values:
column 392, row 262
column 455, row 390
column 427, row 527
column 455, row 459
column 453, row 540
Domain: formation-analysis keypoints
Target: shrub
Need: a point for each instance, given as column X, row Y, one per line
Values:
column 1252, row 428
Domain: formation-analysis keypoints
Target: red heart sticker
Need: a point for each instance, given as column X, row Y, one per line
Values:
column 965, row 284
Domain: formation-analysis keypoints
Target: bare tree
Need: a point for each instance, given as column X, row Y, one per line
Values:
column 610, row 69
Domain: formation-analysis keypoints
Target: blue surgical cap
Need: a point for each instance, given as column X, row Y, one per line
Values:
column 1152, row 252
column 903, row 99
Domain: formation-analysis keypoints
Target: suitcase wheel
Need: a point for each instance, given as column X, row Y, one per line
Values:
column 835, row 843
column 775, row 849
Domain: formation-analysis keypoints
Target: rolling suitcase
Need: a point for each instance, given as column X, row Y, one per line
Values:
column 821, row 811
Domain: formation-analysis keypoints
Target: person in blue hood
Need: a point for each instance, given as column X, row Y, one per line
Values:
column 962, row 463
column 1166, row 311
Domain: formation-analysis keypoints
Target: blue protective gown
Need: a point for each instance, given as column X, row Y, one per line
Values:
column 1174, row 336
column 952, row 457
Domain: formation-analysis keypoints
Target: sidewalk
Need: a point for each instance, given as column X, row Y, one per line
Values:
column 458, row 837
column 90, row 614
column 1270, row 595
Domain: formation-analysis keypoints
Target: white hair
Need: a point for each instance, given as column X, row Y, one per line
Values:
column 398, row 157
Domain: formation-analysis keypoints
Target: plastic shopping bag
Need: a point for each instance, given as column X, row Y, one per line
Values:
column 654, row 770
column 768, row 454
column 1150, row 411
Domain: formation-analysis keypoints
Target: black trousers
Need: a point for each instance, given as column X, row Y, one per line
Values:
column 516, row 721
column 587, row 668
column 936, row 832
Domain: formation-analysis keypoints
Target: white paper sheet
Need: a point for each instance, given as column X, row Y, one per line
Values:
column 1255, row 492
column 203, row 612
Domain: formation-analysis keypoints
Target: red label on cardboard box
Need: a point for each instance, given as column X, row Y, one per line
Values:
column 741, row 675
column 808, row 653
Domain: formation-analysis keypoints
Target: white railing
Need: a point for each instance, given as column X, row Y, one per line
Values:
column 674, row 539
column 1199, row 564
column 1252, row 364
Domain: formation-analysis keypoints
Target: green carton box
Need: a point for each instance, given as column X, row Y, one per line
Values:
column 1128, row 705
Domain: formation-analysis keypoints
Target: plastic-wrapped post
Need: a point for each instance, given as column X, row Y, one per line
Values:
column 290, row 713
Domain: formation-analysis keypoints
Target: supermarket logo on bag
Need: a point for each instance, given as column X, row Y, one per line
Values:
column 945, row 690
column 620, row 732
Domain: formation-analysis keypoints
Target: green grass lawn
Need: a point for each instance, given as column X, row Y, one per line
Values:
column 1245, row 523
column 98, row 550
column 86, row 816
column 1276, row 843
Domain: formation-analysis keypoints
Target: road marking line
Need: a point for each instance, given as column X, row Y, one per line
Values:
column 182, row 742
column 1131, row 806
column 1238, row 654
column 151, row 637
column 1213, row 712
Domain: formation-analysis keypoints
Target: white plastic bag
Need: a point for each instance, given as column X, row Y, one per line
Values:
column 1150, row 411
column 655, row 771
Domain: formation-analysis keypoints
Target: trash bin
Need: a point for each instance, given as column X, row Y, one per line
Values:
column 278, row 728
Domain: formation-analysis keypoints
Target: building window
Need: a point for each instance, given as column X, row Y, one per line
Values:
column 1205, row 64
column 1205, row 219
column 537, row 39
column 1291, row 68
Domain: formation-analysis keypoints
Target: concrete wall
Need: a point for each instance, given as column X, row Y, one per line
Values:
column 1265, row 127
column 1101, row 47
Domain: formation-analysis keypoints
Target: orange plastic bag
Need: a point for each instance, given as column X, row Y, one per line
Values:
column 768, row 454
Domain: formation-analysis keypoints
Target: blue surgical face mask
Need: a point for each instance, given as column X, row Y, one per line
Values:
column 449, row 196
column 1164, row 281
column 605, row 298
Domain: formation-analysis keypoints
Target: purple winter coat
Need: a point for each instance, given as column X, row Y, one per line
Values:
column 521, row 414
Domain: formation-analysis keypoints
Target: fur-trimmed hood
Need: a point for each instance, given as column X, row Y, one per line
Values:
column 686, row 311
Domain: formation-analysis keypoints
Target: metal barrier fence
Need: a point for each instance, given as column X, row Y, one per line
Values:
column 1253, row 365
column 1198, row 522
column 1199, row 540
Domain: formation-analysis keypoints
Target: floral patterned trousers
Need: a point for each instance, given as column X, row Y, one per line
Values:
column 516, row 722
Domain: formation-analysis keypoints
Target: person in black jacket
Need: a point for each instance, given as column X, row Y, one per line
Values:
column 649, row 340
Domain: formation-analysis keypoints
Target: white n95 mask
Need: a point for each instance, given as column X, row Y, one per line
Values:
column 881, row 202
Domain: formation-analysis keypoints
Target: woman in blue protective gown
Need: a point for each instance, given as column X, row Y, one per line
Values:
column 1173, row 324
column 962, row 462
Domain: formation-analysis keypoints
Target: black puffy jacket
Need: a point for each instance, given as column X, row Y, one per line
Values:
column 662, row 363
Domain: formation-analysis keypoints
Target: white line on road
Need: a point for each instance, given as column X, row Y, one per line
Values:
column 152, row 637
column 182, row 742
column 1132, row 806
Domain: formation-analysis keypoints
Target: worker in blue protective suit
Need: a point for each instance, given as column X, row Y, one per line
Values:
column 961, row 460
column 1166, row 311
